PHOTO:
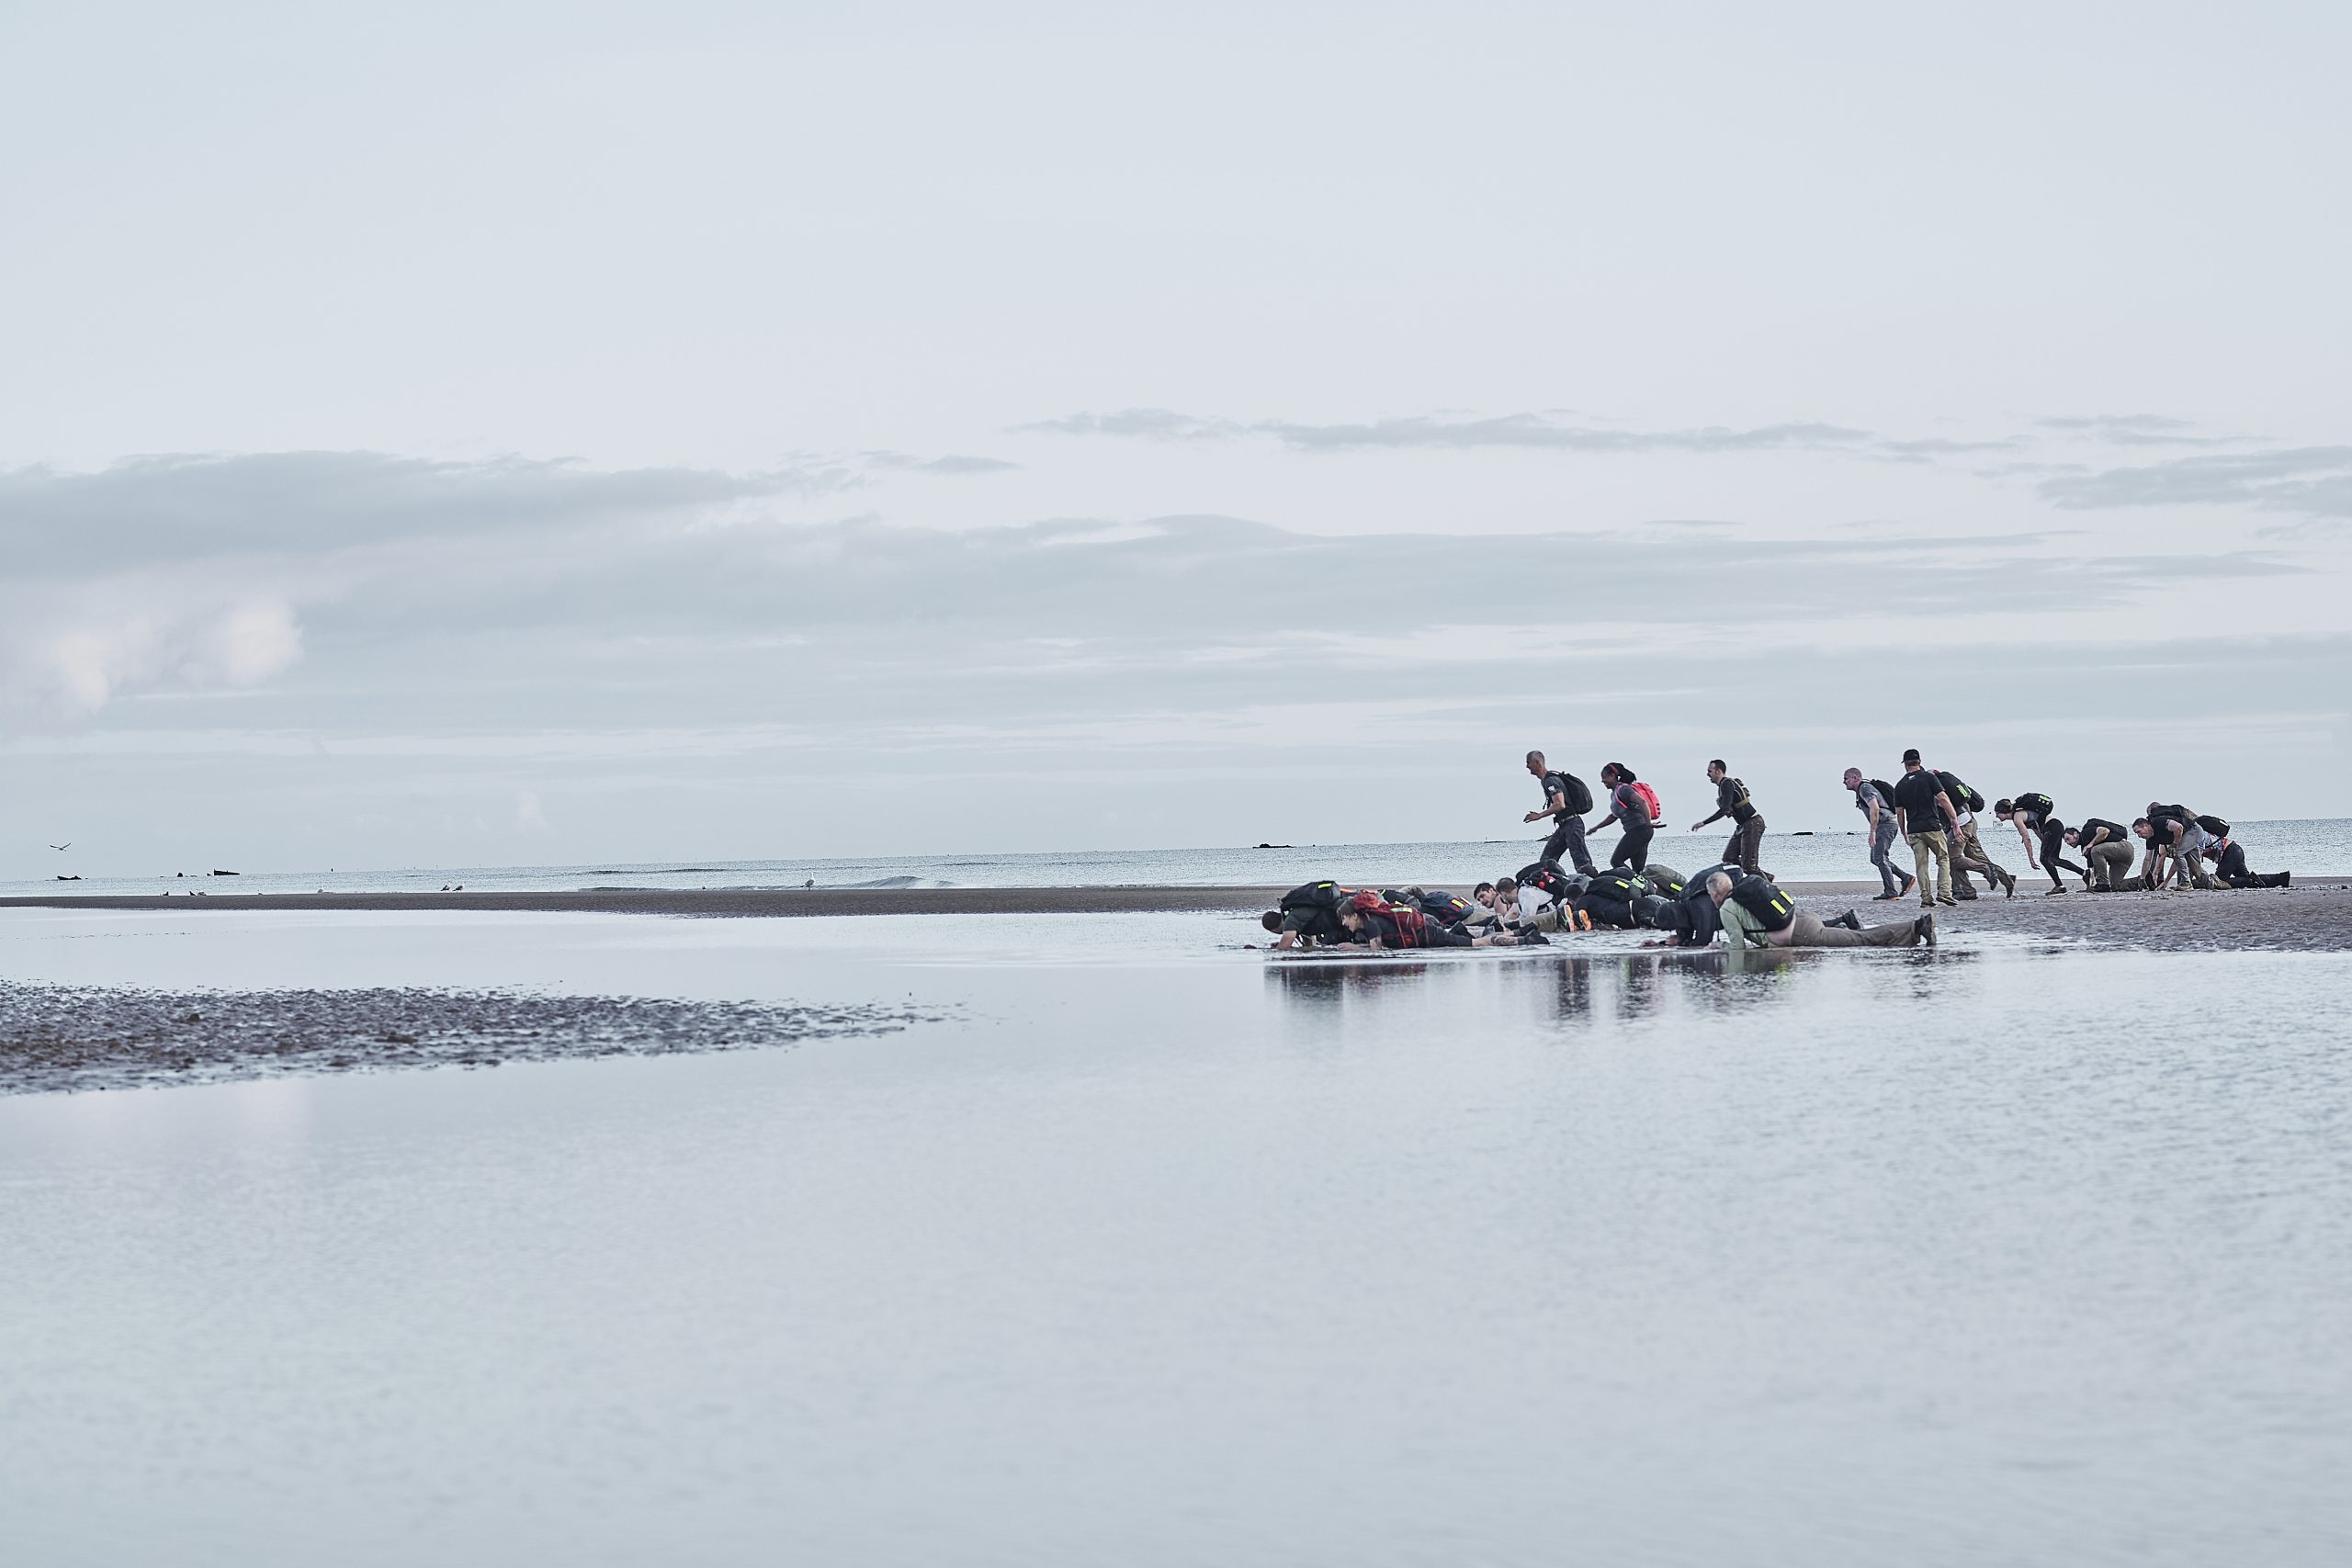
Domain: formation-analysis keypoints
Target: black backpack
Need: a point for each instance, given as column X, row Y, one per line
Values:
column 1962, row 796
column 1624, row 886
column 1572, row 789
column 1663, row 879
column 1546, row 877
column 2037, row 805
column 1446, row 909
column 1316, row 896
column 2214, row 826
column 1886, row 793
column 1766, row 902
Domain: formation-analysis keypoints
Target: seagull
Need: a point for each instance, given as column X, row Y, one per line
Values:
column 67, row 845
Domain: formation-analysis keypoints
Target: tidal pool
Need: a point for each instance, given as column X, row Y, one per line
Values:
column 1148, row 1251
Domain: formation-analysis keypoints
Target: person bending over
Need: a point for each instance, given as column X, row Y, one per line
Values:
column 2107, row 853
column 2033, row 815
column 1747, row 831
column 1874, row 798
column 2175, row 844
column 1565, row 800
column 1757, row 914
column 2229, row 866
column 1629, row 808
column 1968, row 851
column 1309, row 917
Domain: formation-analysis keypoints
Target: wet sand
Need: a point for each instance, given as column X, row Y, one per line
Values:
column 2314, row 915
column 66, row 1038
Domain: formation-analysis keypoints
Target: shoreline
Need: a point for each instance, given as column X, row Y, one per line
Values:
column 2314, row 915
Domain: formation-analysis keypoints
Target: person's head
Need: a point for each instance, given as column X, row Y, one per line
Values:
column 1716, row 771
column 1615, row 773
column 1671, row 915
column 2074, row 835
column 1853, row 778
column 1273, row 920
column 2155, row 807
column 1353, row 918
column 2142, row 826
column 2004, row 810
column 1484, row 894
column 1506, row 890
column 1719, row 886
column 1535, row 763
column 1645, row 908
column 1911, row 761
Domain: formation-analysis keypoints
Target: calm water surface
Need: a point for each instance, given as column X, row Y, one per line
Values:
column 1167, row 1256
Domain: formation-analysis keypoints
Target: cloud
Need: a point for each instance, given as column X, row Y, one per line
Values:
column 2310, row 481
column 1522, row 432
column 952, row 462
column 2131, row 429
column 90, row 660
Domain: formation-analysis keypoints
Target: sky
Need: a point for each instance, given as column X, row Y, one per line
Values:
column 491, row 434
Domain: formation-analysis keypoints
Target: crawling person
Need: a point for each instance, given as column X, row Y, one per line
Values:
column 1757, row 914
column 2107, row 853
column 1371, row 920
column 1309, row 917
column 2229, row 865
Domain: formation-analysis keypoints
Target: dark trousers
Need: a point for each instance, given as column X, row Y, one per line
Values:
column 1747, row 842
column 1569, row 836
column 1632, row 846
column 2053, row 858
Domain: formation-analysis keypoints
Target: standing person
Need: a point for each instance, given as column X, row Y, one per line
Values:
column 1874, row 798
column 1632, row 807
column 1922, row 812
column 2107, row 852
column 2033, row 815
column 1748, row 834
column 1565, row 800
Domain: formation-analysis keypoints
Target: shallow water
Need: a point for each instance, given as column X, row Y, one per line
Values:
column 1165, row 1254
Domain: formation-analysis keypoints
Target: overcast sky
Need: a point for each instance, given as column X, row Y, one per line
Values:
column 458, row 434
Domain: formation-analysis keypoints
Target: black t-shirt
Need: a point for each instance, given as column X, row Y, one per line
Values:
column 2233, row 860
column 1319, row 923
column 2169, row 827
column 1915, row 793
column 1731, row 798
column 2117, row 833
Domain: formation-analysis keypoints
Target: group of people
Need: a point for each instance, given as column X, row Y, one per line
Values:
column 1936, row 813
column 1933, row 811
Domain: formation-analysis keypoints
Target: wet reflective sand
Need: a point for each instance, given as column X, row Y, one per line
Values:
column 1162, row 1254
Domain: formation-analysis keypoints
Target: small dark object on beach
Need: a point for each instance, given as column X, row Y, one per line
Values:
column 394, row 1037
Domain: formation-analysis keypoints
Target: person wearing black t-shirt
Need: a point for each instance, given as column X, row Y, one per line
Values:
column 2107, row 852
column 1925, row 815
column 2034, row 817
column 2174, row 841
column 1748, row 832
column 1567, row 832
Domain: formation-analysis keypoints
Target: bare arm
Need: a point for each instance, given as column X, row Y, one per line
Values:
column 2017, row 820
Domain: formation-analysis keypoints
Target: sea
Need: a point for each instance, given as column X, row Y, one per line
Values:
column 2309, row 846
column 1134, row 1247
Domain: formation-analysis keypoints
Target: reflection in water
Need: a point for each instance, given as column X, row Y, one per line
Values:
column 1626, row 985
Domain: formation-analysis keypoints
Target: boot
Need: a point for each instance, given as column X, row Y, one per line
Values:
column 1849, row 919
column 1924, row 930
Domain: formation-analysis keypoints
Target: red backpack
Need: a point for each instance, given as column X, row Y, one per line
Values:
column 1649, row 798
column 1412, row 926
